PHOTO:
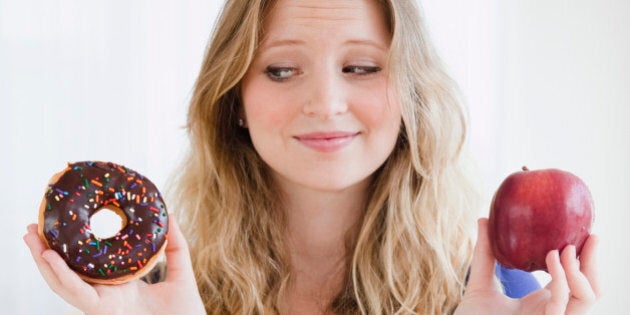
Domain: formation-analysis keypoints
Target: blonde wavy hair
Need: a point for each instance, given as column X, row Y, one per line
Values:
column 414, row 245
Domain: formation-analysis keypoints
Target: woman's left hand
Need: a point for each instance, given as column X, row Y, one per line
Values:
column 573, row 288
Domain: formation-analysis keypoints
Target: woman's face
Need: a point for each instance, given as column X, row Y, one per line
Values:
column 316, row 98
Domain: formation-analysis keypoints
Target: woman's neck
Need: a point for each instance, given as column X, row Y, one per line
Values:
column 320, row 222
column 319, row 225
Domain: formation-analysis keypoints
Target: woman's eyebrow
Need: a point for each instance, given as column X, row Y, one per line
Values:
column 267, row 44
column 366, row 42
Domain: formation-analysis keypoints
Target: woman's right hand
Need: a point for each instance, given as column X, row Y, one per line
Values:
column 178, row 294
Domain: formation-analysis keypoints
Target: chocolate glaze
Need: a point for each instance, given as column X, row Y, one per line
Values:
column 87, row 187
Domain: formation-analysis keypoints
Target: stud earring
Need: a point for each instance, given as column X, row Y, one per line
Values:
column 240, row 122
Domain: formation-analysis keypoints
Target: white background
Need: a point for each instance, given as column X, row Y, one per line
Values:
column 546, row 83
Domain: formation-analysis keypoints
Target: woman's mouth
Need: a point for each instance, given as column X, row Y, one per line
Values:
column 327, row 141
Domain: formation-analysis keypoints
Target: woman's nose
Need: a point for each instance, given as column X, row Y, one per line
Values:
column 327, row 96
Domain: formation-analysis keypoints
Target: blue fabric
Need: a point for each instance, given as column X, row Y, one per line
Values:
column 516, row 283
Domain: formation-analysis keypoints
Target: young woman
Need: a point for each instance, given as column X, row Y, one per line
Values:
column 326, row 175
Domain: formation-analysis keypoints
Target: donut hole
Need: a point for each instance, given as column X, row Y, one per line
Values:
column 106, row 222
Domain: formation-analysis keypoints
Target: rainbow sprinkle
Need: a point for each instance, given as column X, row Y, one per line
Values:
column 92, row 186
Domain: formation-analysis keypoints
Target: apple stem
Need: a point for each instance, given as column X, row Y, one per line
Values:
column 525, row 169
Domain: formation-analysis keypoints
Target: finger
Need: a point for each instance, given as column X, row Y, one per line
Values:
column 558, row 285
column 32, row 228
column 582, row 296
column 588, row 263
column 482, row 268
column 56, row 272
column 177, row 255
column 73, row 289
column 37, row 247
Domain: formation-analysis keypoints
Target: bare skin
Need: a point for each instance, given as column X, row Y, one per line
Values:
column 178, row 294
column 573, row 289
column 328, row 75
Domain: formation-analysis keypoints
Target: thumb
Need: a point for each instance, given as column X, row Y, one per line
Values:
column 482, row 269
column 178, row 264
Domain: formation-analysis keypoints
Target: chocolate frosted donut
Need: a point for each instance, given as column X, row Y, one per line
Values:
column 83, row 189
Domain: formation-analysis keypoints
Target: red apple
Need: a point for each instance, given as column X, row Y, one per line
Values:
column 534, row 212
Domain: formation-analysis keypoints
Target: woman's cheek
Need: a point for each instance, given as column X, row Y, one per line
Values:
column 375, row 110
column 266, row 105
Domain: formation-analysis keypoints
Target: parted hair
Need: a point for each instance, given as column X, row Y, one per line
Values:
column 414, row 244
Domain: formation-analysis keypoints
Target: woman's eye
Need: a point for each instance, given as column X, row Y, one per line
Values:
column 361, row 70
column 280, row 74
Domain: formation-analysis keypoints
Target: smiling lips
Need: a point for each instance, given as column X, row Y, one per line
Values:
column 327, row 141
